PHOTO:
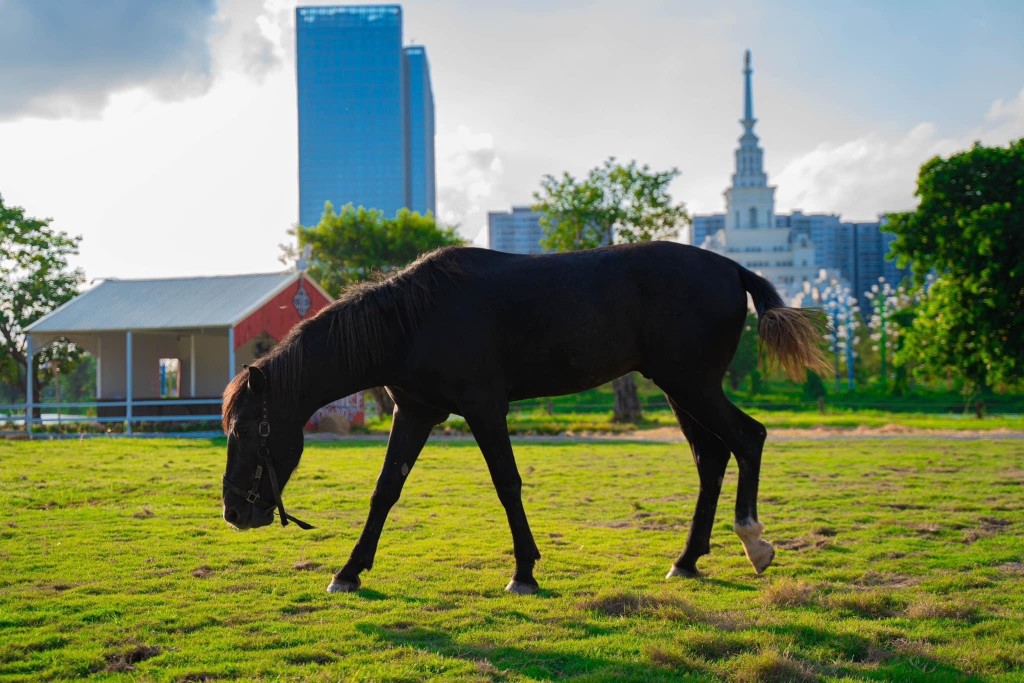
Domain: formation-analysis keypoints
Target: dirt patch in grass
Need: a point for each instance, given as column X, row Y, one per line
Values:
column 870, row 603
column 770, row 665
column 913, row 648
column 126, row 661
column 813, row 541
column 295, row 610
column 987, row 527
column 628, row 604
column 301, row 657
column 144, row 513
column 711, row 646
column 935, row 608
column 306, row 566
column 202, row 572
column 485, row 668
column 672, row 658
column 1014, row 568
column 886, row 579
column 903, row 506
column 1014, row 477
column 788, row 593
column 667, row 607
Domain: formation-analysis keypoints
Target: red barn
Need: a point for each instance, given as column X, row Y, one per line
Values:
column 168, row 347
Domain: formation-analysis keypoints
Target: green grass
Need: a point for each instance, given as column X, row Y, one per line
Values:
column 538, row 421
column 897, row 560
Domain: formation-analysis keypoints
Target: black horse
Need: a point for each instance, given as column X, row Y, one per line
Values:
column 465, row 331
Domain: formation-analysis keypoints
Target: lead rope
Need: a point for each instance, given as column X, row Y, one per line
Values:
column 263, row 451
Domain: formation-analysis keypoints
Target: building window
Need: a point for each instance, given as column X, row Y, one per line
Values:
column 753, row 217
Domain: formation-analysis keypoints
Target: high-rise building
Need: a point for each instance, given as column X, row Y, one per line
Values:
column 366, row 112
column 789, row 249
column 517, row 231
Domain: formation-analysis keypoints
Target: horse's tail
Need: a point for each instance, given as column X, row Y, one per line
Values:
column 793, row 336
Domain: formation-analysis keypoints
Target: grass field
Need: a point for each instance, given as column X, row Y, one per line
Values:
column 538, row 421
column 897, row 560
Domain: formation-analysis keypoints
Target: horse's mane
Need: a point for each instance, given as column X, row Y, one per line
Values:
column 356, row 326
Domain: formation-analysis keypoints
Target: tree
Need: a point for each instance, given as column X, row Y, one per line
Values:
column 745, row 359
column 34, row 279
column 353, row 245
column 968, row 230
column 358, row 243
column 614, row 204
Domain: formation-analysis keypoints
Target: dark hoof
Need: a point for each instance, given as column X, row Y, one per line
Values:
column 685, row 573
column 520, row 588
column 343, row 586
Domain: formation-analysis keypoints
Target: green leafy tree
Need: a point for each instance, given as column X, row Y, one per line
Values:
column 354, row 244
column 34, row 279
column 614, row 204
column 358, row 243
column 969, row 231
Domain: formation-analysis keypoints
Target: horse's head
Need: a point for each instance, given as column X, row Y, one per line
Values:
column 264, row 446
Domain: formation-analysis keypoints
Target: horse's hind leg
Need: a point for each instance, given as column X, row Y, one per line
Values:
column 410, row 428
column 711, row 457
column 491, row 433
column 744, row 437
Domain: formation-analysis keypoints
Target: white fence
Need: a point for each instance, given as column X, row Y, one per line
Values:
column 21, row 418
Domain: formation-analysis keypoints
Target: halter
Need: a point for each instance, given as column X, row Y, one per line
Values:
column 263, row 453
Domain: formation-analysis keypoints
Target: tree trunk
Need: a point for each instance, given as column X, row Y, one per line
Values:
column 627, row 403
column 385, row 406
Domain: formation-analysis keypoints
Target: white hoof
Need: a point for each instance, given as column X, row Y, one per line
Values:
column 676, row 571
column 521, row 588
column 759, row 552
column 761, row 556
column 342, row 587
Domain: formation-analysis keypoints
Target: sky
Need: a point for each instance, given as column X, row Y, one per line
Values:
column 164, row 132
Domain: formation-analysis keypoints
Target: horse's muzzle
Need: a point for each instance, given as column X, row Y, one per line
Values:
column 248, row 516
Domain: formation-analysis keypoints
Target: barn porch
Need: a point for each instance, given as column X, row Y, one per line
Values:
column 166, row 348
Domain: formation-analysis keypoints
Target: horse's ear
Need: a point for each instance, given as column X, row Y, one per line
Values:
column 256, row 381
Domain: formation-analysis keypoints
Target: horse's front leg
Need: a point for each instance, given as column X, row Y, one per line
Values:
column 711, row 457
column 409, row 431
column 491, row 433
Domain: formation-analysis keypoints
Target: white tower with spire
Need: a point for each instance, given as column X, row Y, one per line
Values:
column 750, row 202
column 750, row 236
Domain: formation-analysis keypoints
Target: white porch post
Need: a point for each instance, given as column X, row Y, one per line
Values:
column 231, row 353
column 99, row 367
column 128, row 382
column 192, row 366
column 29, row 370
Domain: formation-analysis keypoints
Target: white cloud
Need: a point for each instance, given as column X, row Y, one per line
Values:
column 159, row 188
column 873, row 174
column 469, row 179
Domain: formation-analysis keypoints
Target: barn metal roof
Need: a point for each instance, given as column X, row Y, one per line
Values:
column 173, row 303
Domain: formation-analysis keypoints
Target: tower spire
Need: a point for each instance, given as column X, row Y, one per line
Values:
column 748, row 98
column 750, row 201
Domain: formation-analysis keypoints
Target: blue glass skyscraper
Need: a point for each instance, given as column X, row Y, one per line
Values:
column 419, row 123
column 366, row 112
